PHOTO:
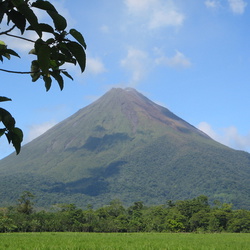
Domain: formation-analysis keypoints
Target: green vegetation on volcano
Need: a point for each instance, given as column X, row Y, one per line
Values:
column 124, row 146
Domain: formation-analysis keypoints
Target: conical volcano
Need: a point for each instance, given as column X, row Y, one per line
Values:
column 124, row 146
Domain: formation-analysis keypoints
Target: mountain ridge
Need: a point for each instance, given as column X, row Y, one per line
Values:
column 125, row 146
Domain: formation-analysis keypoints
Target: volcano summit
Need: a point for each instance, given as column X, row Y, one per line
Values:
column 124, row 146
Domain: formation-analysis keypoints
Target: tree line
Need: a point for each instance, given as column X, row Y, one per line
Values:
column 193, row 215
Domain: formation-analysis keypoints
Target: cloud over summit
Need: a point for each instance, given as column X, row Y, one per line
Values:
column 136, row 62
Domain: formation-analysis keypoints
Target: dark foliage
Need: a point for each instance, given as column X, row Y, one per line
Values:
column 50, row 55
column 194, row 215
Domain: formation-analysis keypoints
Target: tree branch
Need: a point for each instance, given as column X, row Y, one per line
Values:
column 17, row 72
column 19, row 37
column 7, row 31
column 23, row 72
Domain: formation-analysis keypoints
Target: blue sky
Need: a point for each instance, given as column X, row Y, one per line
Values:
column 191, row 56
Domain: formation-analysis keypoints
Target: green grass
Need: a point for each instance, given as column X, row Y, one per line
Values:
column 101, row 241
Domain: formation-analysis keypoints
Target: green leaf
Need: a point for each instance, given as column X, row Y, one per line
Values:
column 35, row 76
column 2, row 131
column 6, row 52
column 68, row 55
column 4, row 99
column 56, row 55
column 12, row 52
column 15, row 137
column 68, row 75
column 18, row 19
column 78, row 36
column 35, row 66
column 55, row 64
column 38, row 44
column 43, row 27
column 9, row 137
column 47, row 81
column 17, row 2
column 7, row 119
column 35, row 70
column 43, row 5
column 28, row 13
column 50, row 41
column 43, row 58
column 19, row 133
column 65, row 56
column 2, row 43
column 3, row 9
column 13, row 134
column 58, row 77
column 79, row 54
column 2, row 48
column 58, row 20
column 32, row 51
column 6, row 55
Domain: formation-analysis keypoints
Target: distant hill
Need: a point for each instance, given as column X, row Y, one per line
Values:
column 124, row 146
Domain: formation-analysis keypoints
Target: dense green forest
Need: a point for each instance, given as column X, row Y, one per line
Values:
column 194, row 215
column 127, row 147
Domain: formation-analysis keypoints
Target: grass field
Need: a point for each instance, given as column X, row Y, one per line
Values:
column 126, row 241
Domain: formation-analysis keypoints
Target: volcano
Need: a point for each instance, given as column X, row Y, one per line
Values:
column 124, row 146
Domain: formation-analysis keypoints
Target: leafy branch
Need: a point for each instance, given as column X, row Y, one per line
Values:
column 51, row 54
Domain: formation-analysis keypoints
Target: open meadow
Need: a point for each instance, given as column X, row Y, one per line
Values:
column 98, row 241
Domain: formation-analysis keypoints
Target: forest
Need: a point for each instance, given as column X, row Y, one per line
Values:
column 193, row 215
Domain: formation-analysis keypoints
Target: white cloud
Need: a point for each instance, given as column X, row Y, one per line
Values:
column 206, row 128
column 156, row 13
column 38, row 129
column 161, row 18
column 105, row 29
column 228, row 136
column 179, row 60
column 136, row 62
column 95, row 66
column 140, row 5
column 212, row 3
column 237, row 6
